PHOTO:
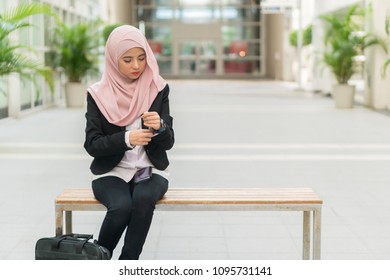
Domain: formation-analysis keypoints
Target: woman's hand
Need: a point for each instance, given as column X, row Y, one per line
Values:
column 152, row 120
column 140, row 137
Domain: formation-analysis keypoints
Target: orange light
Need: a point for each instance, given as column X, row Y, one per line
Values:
column 242, row 53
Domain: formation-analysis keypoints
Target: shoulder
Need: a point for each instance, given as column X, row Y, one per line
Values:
column 165, row 90
column 92, row 107
column 162, row 94
column 90, row 98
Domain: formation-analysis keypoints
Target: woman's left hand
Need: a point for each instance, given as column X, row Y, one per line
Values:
column 151, row 120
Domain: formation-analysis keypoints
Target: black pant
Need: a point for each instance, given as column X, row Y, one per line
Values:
column 128, row 205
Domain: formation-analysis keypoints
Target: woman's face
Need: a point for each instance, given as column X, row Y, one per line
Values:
column 132, row 63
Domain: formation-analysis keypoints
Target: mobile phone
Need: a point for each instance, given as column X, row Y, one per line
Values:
column 143, row 174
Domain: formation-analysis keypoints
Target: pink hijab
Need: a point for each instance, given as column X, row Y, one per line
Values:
column 120, row 99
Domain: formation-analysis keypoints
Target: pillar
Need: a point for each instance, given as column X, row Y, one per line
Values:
column 377, row 93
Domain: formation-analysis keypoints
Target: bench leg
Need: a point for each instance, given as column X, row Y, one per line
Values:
column 59, row 221
column 68, row 222
column 317, row 234
column 306, row 235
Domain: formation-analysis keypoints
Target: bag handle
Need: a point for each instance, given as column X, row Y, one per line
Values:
column 85, row 237
column 82, row 236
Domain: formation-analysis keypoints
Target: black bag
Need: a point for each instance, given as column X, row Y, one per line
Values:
column 70, row 247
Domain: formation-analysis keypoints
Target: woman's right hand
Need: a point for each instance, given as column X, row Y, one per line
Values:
column 140, row 137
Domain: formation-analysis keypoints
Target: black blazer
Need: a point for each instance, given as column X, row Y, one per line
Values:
column 105, row 142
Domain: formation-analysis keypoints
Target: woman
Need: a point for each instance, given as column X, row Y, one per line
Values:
column 128, row 130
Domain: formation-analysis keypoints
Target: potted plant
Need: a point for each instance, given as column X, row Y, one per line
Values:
column 108, row 29
column 345, row 42
column 77, row 53
column 306, row 37
column 15, row 58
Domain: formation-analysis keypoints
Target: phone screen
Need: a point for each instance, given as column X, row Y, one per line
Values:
column 143, row 174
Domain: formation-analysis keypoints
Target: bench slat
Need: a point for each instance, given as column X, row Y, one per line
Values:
column 211, row 196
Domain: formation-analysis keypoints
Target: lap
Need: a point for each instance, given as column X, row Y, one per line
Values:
column 153, row 188
column 113, row 190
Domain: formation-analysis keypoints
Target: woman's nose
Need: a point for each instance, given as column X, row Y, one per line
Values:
column 135, row 64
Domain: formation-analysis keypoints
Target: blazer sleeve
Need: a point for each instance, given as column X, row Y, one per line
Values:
column 102, row 139
column 166, row 139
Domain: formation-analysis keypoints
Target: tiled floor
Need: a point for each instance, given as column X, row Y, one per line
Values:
column 228, row 134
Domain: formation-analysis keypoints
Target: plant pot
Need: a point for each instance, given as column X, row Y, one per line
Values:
column 75, row 94
column 343, row 96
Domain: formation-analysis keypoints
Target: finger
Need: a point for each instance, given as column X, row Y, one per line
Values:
column 146, row 132
column 147, row 137
column 146, row 141
column 151, row 125
column 151, row 121
column 149, row 116
column 146, row 115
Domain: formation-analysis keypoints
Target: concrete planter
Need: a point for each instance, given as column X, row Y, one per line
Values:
column 75, row 94
column 343, row 96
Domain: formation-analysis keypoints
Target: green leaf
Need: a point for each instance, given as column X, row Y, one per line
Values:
column 12, row 60
column 77, row 47
column 345, row 39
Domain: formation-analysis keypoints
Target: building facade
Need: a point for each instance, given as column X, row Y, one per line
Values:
column 204, row 38
column 246, row 39
column 215, row 38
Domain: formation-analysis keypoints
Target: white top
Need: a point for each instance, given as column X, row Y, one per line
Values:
column 133, row 160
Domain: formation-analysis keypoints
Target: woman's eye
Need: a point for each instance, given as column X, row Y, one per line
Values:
column 127, row 61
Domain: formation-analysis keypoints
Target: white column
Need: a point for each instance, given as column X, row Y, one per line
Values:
column 299, row 47
column 377, row 93
column 13, row 95
column 121, row 11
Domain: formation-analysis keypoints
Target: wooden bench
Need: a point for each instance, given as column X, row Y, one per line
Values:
column 246, row 199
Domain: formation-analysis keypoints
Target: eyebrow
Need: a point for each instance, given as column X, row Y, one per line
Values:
column 128, row 56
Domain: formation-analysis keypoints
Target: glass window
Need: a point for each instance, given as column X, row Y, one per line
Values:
column 2, row 6
column 240, row 2
column 199, row 15
column 48, row 29
column 24, row 36
column 36, row 30
column 240, row 37
column 197, row 2
column 165, row 66
column 160, row 36
column 207, row 66
column 164, row 14
column 240, row 32
column 165, row 2
column 242, row 49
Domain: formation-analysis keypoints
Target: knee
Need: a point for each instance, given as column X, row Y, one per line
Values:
column 144, row 200
column 147, row 195
column 121, row 209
